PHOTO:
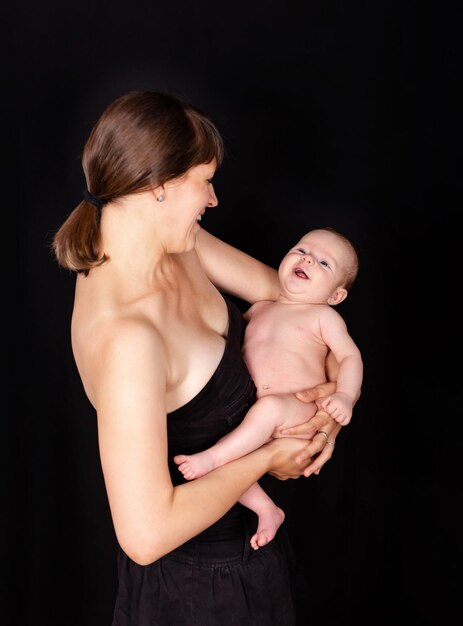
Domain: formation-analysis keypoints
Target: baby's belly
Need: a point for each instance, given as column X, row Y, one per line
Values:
column 287, row 375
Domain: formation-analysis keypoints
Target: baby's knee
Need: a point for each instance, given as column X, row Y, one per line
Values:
column 273, row 405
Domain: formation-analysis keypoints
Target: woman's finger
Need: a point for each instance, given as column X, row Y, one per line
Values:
column 315, row 447
column 319, row 461
column 319, row 391
column 320, row 421
column 320, row 449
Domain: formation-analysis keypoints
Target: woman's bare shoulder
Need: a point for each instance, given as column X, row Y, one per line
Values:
column 116, row 345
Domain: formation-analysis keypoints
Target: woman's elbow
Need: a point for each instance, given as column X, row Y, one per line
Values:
column 143, row 551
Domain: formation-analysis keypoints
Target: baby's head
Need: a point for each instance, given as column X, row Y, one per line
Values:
column 320, row 268
column 350, row 263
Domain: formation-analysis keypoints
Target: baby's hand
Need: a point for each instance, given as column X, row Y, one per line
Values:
column 339, row 406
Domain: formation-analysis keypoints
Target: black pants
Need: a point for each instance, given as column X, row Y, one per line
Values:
column 209, row 583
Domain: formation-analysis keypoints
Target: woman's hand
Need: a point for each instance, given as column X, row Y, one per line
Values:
column 322, row 429
column 287, row 457
column 321, row 448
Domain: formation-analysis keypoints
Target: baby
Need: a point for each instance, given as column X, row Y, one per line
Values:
column 285, row 347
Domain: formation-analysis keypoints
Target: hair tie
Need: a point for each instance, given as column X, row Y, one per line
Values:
column 90, row 197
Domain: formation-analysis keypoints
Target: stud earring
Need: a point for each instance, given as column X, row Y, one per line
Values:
column 160, row 198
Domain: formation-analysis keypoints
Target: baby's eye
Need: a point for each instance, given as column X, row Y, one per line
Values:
column 210, row 181
column 324, row 263
column 301, row 250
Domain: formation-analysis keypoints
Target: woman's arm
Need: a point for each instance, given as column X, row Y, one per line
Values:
column 234, row 271
column 150, row 516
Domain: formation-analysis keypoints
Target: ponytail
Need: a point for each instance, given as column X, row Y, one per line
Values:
column 77, row 243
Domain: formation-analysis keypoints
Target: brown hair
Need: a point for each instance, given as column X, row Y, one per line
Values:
column 142, row 140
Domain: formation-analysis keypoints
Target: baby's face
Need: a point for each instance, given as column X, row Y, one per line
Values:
column 315, row 268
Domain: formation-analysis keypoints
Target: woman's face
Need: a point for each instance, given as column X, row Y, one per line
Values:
column 188, row 198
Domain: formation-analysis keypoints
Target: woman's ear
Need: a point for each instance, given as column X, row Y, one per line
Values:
column 337, row 296
column 159, row 193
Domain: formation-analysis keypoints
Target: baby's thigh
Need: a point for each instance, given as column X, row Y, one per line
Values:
column 288, row 411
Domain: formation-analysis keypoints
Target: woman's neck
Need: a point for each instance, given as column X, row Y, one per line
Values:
column 133, row 243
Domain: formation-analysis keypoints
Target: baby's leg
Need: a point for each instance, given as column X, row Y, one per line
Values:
column 270, row 516
column 295, row 412
column 267, row 414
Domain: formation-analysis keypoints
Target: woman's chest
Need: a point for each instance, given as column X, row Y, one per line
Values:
column 194, row 328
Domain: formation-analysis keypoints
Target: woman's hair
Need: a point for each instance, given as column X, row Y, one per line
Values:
column 142, row 140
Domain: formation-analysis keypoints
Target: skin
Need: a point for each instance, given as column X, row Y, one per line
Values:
column 302, row 325
column 148, row 331
column 237, row 273
column 285, row 348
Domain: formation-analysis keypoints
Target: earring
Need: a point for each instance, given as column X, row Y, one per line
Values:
column 160, row 198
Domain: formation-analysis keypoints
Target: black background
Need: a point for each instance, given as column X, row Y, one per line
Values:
column 333, row 113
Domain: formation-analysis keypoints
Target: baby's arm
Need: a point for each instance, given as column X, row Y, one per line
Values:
column 350, row 374
column 339, row 406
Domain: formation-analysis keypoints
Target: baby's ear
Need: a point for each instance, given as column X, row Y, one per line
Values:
column 337, row 296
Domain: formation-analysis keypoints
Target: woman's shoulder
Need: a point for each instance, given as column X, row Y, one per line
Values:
column 112, row 342
column 116, row 331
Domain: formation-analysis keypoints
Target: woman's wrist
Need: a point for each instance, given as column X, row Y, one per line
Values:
column 264, row 458
column 278, row 453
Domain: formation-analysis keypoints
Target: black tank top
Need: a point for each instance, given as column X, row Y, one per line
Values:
column 216, row 410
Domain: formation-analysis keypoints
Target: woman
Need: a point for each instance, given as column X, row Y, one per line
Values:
column 158, row 350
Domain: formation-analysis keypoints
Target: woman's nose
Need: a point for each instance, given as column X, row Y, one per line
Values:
column 213, row 201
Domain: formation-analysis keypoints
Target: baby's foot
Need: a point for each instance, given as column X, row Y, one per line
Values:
column 195, row 465
column 270, row 521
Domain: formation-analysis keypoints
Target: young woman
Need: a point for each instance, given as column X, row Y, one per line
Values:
column 158, row 348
